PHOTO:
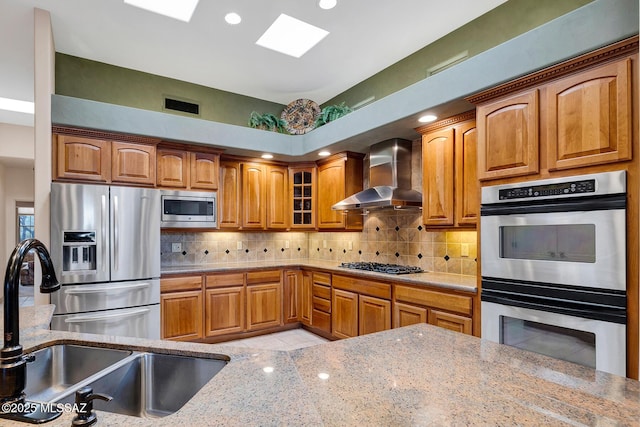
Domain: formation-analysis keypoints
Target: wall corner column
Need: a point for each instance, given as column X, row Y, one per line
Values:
column 44, row 87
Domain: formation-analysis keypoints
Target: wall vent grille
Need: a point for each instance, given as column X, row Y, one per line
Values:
column 182, row 106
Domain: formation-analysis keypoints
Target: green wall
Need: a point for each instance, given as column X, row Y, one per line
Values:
column 97, row 81
column 503, row 23
column 86, row 79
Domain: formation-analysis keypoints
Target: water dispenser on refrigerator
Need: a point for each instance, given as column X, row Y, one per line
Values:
column 79, row 251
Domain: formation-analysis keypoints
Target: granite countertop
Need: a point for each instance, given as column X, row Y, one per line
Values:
column 444, row 280
column 416, row 375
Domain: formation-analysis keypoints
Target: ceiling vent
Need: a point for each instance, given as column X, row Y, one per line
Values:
column 173, row 104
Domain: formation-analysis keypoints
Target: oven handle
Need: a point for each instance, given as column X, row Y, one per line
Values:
column 600, row 203
column 614, row 315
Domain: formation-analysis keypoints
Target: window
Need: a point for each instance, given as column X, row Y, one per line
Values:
column 25, row 221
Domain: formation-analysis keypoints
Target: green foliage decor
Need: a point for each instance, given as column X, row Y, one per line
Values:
column 267, row 121
column 331, row 113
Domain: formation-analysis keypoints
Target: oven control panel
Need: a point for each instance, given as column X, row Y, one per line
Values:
column 546, row 190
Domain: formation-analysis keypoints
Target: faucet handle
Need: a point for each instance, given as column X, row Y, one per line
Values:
column 84, row 405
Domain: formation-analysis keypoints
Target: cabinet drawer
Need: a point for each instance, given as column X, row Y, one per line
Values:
column 222, row 280
column 321, row 291
column 322, row 278
column 174, row 284
column 322, row 304
column 321, row 320
column 362, row 286
column 269, row 276
column 457, row 303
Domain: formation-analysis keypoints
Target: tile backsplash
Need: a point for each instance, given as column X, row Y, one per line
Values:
column 388, row 236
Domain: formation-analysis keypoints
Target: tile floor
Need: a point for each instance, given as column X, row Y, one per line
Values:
column 283, row 341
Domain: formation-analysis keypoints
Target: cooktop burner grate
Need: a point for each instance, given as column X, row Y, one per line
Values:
column 382, row 268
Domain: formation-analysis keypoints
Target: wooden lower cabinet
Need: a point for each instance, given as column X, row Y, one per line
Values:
column 291, row 289
column 374, row 315
column 306, row 296
column 224, row 308
column 345, row 314
column 422, row 305
column 181, row 308
column 405, row 315
column 361, row 306
column 321, row 301
column 263, row 306
column 450, row 321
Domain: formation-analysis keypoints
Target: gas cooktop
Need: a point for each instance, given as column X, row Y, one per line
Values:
column 382, row 268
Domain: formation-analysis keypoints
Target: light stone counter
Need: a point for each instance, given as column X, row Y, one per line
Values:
column 417, row 375
column 444, row 280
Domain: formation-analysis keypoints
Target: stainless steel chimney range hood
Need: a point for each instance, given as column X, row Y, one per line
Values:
column 389, row 179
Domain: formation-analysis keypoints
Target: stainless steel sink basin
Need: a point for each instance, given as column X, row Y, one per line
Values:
column 57, row 369
column 153, row 385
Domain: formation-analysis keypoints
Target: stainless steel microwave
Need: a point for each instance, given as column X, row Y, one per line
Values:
column 188, row 209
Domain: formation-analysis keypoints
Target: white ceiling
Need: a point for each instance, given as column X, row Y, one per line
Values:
column 365, row 37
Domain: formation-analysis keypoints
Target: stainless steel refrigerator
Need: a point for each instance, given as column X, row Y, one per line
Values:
column 105, row 245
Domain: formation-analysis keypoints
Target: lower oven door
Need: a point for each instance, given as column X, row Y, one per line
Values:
column 138, row 322
column 595, row 343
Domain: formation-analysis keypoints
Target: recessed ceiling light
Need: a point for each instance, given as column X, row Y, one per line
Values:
column 267, row 156
column 324, row 153
column 291, row 36
column 427, row 118
column 327, row 4
column 16, row 105
column 176, row 9
column 232, row 18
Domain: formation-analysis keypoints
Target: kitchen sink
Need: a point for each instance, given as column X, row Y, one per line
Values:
column 142, row 384
column 152, row 384
column 57, row 369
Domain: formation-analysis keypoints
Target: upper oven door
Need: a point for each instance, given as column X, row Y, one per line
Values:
column 566, row 244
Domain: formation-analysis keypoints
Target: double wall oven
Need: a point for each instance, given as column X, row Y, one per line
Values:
column 554, row 268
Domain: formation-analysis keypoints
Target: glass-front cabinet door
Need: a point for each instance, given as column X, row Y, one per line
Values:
column 302, row 185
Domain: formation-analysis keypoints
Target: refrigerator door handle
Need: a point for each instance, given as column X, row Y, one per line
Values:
column 100, row 317
column 108, row 289
column 104, row 228
column 116, row 233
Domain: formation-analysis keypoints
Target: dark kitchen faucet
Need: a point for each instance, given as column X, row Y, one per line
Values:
column 13, row 369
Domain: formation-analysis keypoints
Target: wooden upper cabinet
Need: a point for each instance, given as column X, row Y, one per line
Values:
column 229, row 197
column 254, row 195
column 173, row 168
column 82, row 158
column 467, row 189
column 450, row 190
column 508, row 140
column 186, row 169
column 278, row 199
column 303, row 196
column 437, row 177
column 204, row 170
column 133, row 163
column 589, row 117
column 338, row 178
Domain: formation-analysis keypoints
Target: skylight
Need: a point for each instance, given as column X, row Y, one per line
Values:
column 176, row 9
column 291, row 36
column 16, row 105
